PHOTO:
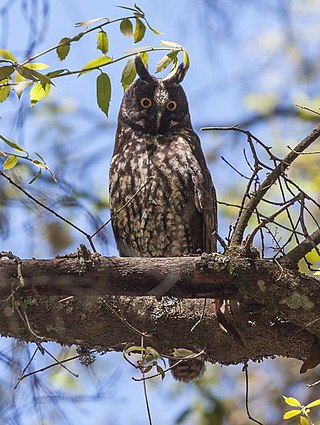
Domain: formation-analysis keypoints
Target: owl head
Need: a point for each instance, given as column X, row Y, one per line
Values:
column 153, row 105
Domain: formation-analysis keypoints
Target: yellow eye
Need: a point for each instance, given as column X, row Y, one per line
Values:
column 145, row 102
column 171, row 105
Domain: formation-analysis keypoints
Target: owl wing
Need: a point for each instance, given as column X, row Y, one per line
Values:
column 205, row 220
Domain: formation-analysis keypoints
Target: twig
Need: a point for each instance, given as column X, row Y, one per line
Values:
column 46, row 367
column 245, row 370
column 124, row 320
column 123, row 206
column 49, row 209
column 250, row 238
column 270, row 180
column 307, row 109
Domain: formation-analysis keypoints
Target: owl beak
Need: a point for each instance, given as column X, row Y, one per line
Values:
column 158, row 120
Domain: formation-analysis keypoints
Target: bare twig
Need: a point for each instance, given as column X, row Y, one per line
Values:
column 123, row 206
column 245, row 369
column 270, row 180
column 16, row 185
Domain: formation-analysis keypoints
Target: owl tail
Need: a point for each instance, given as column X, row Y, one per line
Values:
column 187, row 370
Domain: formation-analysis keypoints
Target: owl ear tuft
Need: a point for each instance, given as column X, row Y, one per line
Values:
column 142, row 70
column 180, row 73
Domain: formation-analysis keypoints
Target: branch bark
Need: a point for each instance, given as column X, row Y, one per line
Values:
column 92, row 304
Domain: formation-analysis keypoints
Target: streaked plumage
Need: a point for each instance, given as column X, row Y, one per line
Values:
column 162, row 199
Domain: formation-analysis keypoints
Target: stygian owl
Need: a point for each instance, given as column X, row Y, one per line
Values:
column 162, row 199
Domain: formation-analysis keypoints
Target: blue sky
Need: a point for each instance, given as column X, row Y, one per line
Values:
column 222, row 69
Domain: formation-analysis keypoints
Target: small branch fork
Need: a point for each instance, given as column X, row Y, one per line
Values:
column 255, row 193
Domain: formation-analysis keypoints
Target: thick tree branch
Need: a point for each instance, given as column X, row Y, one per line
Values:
column 71, row 301
column 297, row 253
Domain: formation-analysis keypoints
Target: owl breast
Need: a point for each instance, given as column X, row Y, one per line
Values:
column 152, row 197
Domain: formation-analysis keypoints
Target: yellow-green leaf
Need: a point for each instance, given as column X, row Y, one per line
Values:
column 166, row 60
column 54, row 74
column 304, row 421
column 4, row 90
column 160, row 371
column 126, row 27
column 95, row 64
column 38, row 92
column 12, row 144
column 154, row 30
column 33, row 75
column 64, row 48
column 10, row 162
column 5, row 54
column 6, row 71
column 36, row 65
column 291, row 414
column 186, row 59
column 104, row 92
column 313, row 404
column 128, row 74
column 103, row 42
column 139, row 30
column 291, row 401
column 39, row 164
column 20, row 87
column 135, row 348
column 89, row 22
column 35, row 177
column 170, row 44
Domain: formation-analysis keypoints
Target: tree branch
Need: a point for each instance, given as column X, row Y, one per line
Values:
column 252, row 203
column 72, row 302
column 297, row 253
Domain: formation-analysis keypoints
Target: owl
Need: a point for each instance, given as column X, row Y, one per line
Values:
column 162, row 199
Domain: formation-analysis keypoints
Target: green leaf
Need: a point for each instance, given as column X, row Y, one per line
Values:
column 166, row 60
column 126, row 27
column 64, row 48
column 153, row 29
column 137, row 50
column 135, row 348
column 171, row 44
column 36, row 65
column 128, row 74
column 138, row 9
column 103, row 42
column 33, row 75
column 39, row 164
column 54, row 74
column 89, row 22
column 139, row 31
column 186, row 59
column 95, row 64
column 35, row 177
column 38, row 92
column 313, row 404
column 291, row 414
column 6, row 71
column 4, row 90
column 291, row 401
column 41, row 157
column 104, row 92
column 10, row 162
column 20, row 87
column 5, row 54
column 160, row 371
column 12, row 144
